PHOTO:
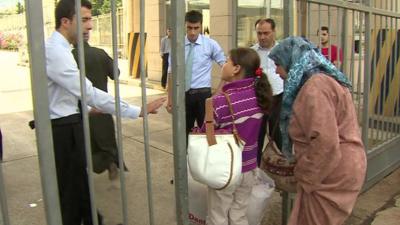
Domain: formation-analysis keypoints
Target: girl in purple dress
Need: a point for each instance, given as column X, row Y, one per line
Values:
column 251, row 95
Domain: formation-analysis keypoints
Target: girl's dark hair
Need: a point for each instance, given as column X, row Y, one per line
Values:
column 249, row 61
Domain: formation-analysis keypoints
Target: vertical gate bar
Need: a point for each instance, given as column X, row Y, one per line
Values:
column 84, row 111
column 4, row 218
column 285, row 207
column 393, row 65
column 319, row 27
column 235, row 23
column 308, row 20
column 40, row 100
column 390, row 118
column 344, row 40
column 299, row 18
column 330, row 34
column 338, row 39
column 395, row 119
column 397, row 114
column 385, row 78
column 367, row 74
column 380, row 116
column 288, row 31
column 378, row 45
column 359, row 63
column 288, row 28
column 304, row 14
column 303, row 18
column 124, row 198
column 145, row 117
column 179, row 124
column 373, row 72
column 352, row 58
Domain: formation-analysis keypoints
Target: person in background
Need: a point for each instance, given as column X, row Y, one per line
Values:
column 330, row 51
column 64, row 92
column 319, row 122
column 99, row 66
column 250, row 94
column 165, row 49
column 265, row 29
column 200, row 52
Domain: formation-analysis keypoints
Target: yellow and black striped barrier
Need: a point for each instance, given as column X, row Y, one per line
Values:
column 385, row 73
column 134, row 54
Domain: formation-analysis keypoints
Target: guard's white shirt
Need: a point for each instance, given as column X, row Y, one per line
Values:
column 64, row 84
column 269, row 68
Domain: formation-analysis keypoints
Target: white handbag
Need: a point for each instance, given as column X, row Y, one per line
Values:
column 215, row 159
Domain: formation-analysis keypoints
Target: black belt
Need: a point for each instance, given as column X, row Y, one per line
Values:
column 192, row 91
column 71, row 119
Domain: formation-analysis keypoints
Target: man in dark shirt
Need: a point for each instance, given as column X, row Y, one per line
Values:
column 99, row 66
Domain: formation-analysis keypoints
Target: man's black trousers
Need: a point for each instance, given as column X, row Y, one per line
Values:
column 72, row 179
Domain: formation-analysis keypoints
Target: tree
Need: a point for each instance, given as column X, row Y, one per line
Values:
column 20, row 8
column 96, row 5
column 103, row 6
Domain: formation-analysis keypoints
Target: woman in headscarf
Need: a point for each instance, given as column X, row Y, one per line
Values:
column 318, row 121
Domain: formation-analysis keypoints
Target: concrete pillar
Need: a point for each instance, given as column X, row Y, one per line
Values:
column 152, row 27
column 127, row 6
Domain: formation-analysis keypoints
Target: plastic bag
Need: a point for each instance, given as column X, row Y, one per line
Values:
column 260, row 194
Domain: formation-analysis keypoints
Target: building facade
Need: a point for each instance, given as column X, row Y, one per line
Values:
column 231, row 23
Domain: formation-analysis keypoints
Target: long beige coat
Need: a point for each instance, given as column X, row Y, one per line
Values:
column 331, row 161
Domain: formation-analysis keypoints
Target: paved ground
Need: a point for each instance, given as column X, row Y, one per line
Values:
column 22, row 179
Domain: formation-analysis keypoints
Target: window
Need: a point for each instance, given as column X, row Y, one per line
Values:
column 249, row 11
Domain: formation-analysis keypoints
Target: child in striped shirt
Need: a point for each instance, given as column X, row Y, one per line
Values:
column 251, row 95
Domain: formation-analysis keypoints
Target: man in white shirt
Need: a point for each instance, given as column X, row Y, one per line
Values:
column 265, row 29
column 64, row 93
column 200, row 53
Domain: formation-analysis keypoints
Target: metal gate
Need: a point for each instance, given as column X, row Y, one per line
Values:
column 367, row 34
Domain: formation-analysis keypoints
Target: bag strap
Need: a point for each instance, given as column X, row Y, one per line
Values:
column 235, row 132
column 210, row 132
column 276, row 125
column 274, row 129
column 228, row 100
column 209, row 121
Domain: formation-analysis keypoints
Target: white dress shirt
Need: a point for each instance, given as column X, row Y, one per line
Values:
column 64, row 84
column 206, row 50
column 269, row 68
column 165, row 46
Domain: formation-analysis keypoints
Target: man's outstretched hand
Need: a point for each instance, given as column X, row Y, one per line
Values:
column 153, row 106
